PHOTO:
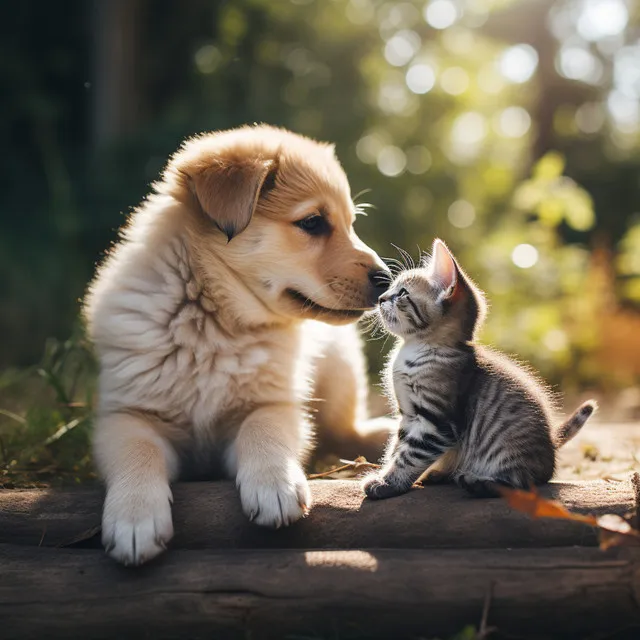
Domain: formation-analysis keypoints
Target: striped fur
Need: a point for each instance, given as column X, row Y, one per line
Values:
column 473, row 414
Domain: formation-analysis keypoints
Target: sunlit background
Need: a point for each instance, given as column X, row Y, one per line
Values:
column 508, row 128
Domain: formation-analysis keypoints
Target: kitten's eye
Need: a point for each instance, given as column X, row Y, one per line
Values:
column 314, row 225
column 402, row 293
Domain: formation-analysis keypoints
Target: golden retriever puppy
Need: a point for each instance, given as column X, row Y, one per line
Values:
column 203, row 320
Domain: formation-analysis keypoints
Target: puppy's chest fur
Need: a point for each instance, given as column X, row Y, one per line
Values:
column 187, row 368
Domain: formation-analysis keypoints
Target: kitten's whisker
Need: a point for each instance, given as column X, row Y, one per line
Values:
column 407, row 259
column 395, row 266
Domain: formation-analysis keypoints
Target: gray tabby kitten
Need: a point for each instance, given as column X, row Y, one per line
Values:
column 484, row 419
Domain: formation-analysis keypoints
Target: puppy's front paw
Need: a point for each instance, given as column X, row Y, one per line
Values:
column 274, row 497
column 378, row 488
column 136, row 523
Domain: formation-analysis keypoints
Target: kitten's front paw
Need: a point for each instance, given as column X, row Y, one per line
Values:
column 136, row 523
column 275, row 497
column 377, row 488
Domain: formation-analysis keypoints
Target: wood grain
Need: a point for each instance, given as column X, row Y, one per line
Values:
column 208, row 516
column 550, row 593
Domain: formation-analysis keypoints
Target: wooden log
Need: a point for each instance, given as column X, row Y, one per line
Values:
column 550, row 593
column 208, row 515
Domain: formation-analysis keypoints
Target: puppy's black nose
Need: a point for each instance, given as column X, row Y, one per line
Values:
column 379, row 279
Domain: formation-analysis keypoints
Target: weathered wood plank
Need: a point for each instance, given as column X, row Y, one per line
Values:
column 208, row 515
column 564, row 593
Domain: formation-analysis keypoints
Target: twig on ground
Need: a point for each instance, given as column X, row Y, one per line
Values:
column 65, row 428
column 485, row 631
column 359, row 465
column 81, row 537
column 13, row 416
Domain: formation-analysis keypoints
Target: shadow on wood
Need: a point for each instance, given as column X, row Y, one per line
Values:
column 550, row 593
column 208, row 516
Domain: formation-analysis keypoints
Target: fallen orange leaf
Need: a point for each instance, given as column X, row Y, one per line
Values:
column 536, row 506
column 613, row 531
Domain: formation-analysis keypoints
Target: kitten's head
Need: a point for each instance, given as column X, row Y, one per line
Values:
column 436, row 302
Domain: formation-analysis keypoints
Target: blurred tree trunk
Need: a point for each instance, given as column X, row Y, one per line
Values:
column 527, row 22
column 117, row 88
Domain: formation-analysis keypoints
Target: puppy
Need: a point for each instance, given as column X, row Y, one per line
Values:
column 203, row 317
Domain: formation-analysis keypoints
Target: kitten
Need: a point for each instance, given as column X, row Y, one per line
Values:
column 484, row 418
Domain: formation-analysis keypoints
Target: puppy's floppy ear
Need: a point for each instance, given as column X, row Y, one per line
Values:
column 228, row 190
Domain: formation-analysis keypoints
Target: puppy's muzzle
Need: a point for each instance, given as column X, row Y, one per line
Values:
column 379, row 281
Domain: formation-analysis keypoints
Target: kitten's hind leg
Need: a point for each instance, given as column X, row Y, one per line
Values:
column 483, row 487
column 442, row 470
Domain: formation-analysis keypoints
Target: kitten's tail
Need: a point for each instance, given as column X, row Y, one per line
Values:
column 568, row 429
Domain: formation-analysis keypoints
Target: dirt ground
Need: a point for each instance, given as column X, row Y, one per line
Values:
column 608, row 450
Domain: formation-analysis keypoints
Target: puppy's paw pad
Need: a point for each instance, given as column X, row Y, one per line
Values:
column 275, row 498
column 137, row 527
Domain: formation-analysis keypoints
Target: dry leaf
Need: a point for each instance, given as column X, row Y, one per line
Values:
column 536, row 506
column 613, row 531
column 616, row 532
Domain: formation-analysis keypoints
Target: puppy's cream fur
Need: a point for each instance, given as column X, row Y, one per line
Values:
column 209, row 362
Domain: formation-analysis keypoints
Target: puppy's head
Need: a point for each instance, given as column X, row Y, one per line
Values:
column 276, row 208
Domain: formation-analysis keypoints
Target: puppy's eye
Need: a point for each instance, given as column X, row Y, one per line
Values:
column 402, row 293
column 314, row 225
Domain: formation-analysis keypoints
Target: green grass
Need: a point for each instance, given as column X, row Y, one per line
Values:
column 45, row 417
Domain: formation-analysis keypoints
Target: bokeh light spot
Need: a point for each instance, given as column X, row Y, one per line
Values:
column 518, row 63
column 369, row 147
column 393, row 97
column 577, row 63
column 469, row 127
column 555, row 340
column 440, row 14
column 461, row 214
column 207, row 59
column 602, row 18
column 401, row 48
column 626, row 71
column 624, row 111
column 467, row 134
column 513, row 122
column 524, row 256
column 420, row 78
column 391, row 161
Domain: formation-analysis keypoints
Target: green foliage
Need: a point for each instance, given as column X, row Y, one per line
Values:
column 520, row 175
column 45, row 417
column 628, row 263
column 553, row 198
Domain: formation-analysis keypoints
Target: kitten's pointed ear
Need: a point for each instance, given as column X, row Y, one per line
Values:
column 442, row 267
